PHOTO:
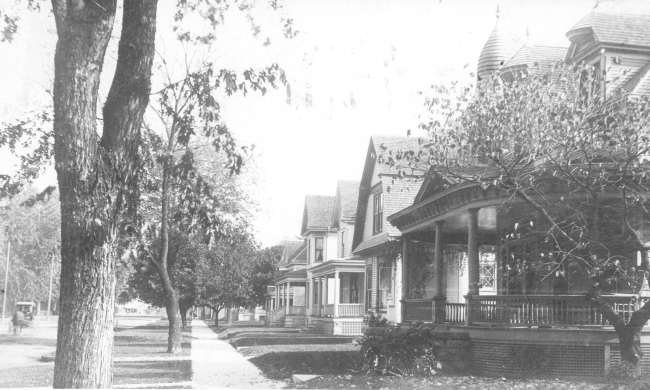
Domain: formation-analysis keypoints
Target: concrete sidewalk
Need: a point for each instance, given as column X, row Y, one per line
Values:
column 216, row 364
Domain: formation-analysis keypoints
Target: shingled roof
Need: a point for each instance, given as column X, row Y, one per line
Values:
column 616, row 28
column 388, row 149
column 317, row 214
column 400, row 188
column 290, row 250
column 347, row 196
column 536, row 59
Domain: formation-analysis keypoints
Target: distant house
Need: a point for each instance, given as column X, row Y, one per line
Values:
column 321, row 286
column 385, row 188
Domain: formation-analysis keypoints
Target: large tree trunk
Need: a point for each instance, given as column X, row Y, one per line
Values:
column 85, row 328
column 92, row 178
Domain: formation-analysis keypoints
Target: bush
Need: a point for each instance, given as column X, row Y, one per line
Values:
column 400, row 351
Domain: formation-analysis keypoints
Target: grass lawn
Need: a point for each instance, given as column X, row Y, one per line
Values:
column 139, row 358
column 280, row 353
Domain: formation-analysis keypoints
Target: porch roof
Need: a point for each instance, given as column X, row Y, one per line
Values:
column 439, row 206
column 293, row 276
column 341, row 265
column 374, row 243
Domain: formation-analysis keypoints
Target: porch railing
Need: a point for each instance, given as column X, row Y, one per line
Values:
column 547, row 310
column 521, row 310
column 455, row 313
column 296, row 310
column 351, row 309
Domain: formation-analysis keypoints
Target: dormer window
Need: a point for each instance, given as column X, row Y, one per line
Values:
column 318, row 249
column 377, row 212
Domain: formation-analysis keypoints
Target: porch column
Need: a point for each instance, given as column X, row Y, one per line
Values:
column 326, row 286
column 321, row 289
column 405, row 272
column 337, row 293
column 472, row 261
column 472, row 252
column 289, row 297
column 308, row 297
column 439, row 270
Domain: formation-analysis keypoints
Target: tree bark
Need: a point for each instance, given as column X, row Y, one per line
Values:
column 183, row 311
column 173, row 316
column 184, row 306
column 171, row 296
column 629, row 334
column 216, row 317
column 91, row 177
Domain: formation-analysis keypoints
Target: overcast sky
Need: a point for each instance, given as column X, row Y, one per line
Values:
column 355, row 69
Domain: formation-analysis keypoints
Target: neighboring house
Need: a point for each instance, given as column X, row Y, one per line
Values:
column 385, row 189
column 335, row 278
column 457, row 271
column 320, row 285
column 289, row 290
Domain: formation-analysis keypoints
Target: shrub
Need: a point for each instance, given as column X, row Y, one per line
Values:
column 400, row 351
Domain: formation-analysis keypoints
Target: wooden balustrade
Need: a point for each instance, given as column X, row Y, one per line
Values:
column 546, row 310
column 455, row 313
column 522, row 310
column 350, row 309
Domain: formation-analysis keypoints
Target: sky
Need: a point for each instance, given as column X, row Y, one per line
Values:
column 355, row 68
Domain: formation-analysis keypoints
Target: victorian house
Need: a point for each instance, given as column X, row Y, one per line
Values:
column 457, row 270
column 385, row 188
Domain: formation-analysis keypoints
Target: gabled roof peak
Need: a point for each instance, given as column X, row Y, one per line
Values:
column 318, row 211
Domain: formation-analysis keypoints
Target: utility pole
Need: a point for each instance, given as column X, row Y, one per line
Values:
column 4, row 296
column 49, row 292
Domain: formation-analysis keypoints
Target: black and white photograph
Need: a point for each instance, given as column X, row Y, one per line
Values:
column 325, row 194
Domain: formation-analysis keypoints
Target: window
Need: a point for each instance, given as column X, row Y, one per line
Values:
column 318, row 248
column 488, row 270
column 385, row 290
column 377, row 212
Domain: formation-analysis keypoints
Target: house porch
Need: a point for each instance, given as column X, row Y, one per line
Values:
column 336, row 297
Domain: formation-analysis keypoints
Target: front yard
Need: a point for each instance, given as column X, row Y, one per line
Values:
column 139, row 358
column 282, row 353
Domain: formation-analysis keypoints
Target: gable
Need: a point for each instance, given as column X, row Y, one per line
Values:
column 381, row 165
column 432, row 184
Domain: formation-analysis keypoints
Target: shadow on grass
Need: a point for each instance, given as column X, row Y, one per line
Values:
column 27, row 340
column 153, row 372
column 293, row 340
column 281, row 365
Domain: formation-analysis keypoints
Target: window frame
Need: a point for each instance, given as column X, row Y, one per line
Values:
column 316, row 249
column 377, row 212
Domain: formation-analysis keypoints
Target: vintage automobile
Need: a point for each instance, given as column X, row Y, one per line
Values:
column 28, row 308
